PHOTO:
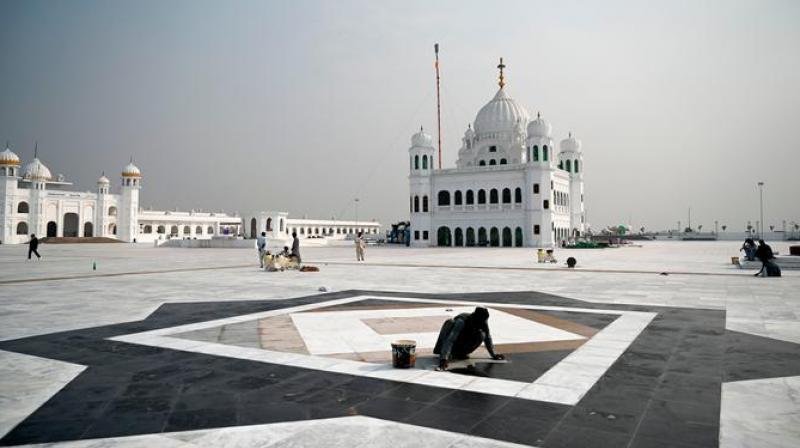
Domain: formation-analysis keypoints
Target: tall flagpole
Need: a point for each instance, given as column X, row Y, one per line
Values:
column 438, row 104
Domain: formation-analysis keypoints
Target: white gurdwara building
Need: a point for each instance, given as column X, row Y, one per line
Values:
column 33, row 201
column 510, row 187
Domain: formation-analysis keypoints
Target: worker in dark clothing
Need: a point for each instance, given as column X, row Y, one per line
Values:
column 765, row 255
column 296, row 247
column 33, row 244
column 462, row 335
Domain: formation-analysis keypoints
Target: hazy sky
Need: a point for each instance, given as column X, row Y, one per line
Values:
column 303, row 106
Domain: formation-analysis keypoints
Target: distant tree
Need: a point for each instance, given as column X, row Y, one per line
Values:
column 771, row 228
column 796, row 226
column 700, row 228
column 641, row 229
column 688, row 230
column 724, row 227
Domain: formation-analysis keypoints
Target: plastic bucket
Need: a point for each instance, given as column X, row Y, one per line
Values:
column 404, row 354
column 734, row 260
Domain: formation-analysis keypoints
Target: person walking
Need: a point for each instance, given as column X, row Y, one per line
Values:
column 296, row 247
column 33, row 245
column 261, row 245
column 360, row 247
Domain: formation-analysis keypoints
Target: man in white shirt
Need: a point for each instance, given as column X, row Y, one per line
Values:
column 261, row 245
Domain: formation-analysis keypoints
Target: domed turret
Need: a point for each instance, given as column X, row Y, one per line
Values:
column 131, row 170
column 103, row 180
column 539, row 127
column 570, row 144
column 9, row 158
column 421, row 139
column 36, row 171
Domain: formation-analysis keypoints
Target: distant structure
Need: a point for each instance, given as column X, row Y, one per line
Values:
column 510, row 187
column 33, row 201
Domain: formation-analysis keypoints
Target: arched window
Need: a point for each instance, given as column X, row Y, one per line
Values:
column 112, row 211
column 424, row 163
column 88, row 230
column 507, row 237
column 425, row 204
column 459, row 237
column 22, row 228
column 493, row 162
column 561, row 164
column 470, row 197
column 518, row 237
column 544, row 153
column 482, row 239
column 112, row 229
column 444, row 198
column 280, row 225
column 431, row 164
column 411, row 204
column 416, row 162
column 503, row 162
column 210, row 230
column 494, row 237
column 147, row 229
column 198, row 230
column 187, row 230
column 173, row 230
column 161, row 229
column 330, row 231
column 481, row 196
column 269, row 224
column 457, row 199
column 22, row 207
column 569, row 165
column 506, row 195
column 482, row 163
column 302, row 230
column 493, row 149
column 52, row 229
column 470, row 237
column 518, row 195
column 493, row 199
column 535, row 153
column 416, row 204
column 576, row 165
column 253, row 228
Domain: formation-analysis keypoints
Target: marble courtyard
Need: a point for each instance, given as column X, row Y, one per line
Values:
column 660, row 345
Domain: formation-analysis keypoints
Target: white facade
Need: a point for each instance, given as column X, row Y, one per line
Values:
column 32, row 201
column 509, row 187
column 278, row 225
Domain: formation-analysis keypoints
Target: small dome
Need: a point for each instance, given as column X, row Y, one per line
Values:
column 131, row 170
column 539, row 127
column 103, row 180
column 36, row 171
column 571, row 144
column 500, row 114
column 8, row 157
column 421, row 139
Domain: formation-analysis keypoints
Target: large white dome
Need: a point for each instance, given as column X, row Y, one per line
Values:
column 500, row 114
column 36, row 171
column 8, row 157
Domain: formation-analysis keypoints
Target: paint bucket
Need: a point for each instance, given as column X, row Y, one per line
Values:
column 734, row 260
column 404, row 354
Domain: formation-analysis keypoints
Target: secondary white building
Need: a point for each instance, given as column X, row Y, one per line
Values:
column 33, row 201
column 510, row 186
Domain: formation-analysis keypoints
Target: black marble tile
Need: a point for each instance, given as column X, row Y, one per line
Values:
column 566, row 436
column 473, row 401
column 416, row 392
column 124, row 424
column 389, row 408
column 201, row 418
column 44, row 431
column 446, row 418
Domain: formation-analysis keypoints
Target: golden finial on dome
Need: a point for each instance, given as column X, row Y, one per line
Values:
column 501, row 66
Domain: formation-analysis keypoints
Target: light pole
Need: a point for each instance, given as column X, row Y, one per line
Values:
column 761, row 203
column 356, row 200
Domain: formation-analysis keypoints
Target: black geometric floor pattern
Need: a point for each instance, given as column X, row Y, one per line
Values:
column 663, row 391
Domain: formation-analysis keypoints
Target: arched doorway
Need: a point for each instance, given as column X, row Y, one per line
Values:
column 253, row 228
column 71, row 224
column 173, row 231
column 470, row 237
column 443, row 237
column 88, row 229
column 22, row 228
column 494, row 237
column 518, row 237
column 507, row 237
column 459, row 237
column 269, row 225
column 52, row 229
column 482, row 240
column 112, row 229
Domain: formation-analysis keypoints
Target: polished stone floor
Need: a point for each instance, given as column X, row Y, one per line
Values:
column 192, row 347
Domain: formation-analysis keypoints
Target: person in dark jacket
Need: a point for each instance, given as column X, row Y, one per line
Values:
column 33, row 245
column 296, row 247
column 764, row 255
column 462, row 335
column 749, row 248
